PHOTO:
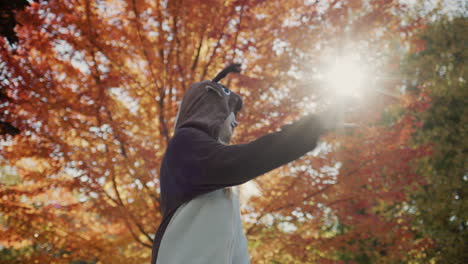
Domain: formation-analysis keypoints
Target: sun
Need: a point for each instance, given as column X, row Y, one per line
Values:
column 347, row 76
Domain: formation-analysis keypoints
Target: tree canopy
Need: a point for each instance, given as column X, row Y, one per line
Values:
column 93, row 86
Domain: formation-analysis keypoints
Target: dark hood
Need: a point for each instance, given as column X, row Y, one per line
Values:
column 206, row 105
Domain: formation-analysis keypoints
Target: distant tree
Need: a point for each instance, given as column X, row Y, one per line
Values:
column 439, row 66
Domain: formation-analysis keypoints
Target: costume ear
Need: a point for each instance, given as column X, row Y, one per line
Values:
column 234, row 67
column 211, row 88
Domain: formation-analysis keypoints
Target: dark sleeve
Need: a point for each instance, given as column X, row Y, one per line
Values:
column 217, row 166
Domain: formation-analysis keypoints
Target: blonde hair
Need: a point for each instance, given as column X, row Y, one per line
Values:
column 244, row 191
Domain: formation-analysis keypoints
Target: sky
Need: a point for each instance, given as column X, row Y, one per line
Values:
column 449, row 7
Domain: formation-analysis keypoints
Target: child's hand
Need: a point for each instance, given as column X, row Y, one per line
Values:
column 333, row 118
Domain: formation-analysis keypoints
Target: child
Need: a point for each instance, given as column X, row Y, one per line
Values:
column 201, row 222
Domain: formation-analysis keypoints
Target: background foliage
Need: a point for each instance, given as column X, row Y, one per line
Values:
column 441, row 73
column 89, row 91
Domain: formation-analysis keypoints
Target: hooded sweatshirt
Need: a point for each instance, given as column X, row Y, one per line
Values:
column 202, row 223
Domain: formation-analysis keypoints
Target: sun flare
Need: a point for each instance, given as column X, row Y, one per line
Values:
column 347, row 76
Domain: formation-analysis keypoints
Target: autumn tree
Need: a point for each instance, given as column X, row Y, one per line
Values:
column 93, row 87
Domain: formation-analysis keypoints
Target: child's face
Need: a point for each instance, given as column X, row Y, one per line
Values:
column 227, row 129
